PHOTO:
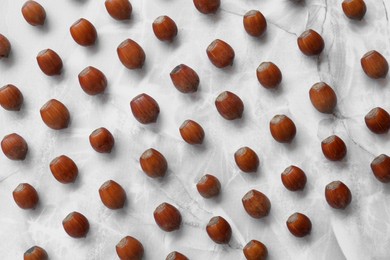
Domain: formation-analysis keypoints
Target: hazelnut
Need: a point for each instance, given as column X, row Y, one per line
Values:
column 354, row 9
column 33, row 13
column 92, row 81
column 269, row 75
column 311, row 43
column 333, row 148
column 25, row 196
column 119, row 9
column 76, row 225
column 256, row 204
column 101, row 140
column 299, row 225
column 378, row 120
column 207, row 6
column 374, row 65
column 131, row 54
column 49, row 62
column 129, row 248
column 55, row 114
column 153, row 163
column 164, row 28
column 293, row 178
column 191, row 132
column 167, row 217
column 229, row 105
column 14, row 147
column 11, row 98
column 282, row 129
column 208, row 186
column 219, row 230
column 145, row 109
column 5, row 47
column 380, row 167
column 220, row 54
column 112, row 195
column 185, row 79
column 323, row 97
column 338, row 195
column 35, row 253
column 255, row 250
column 255, row 23
column 83, row 32
column 64, row 169
column 246, row 159
column 176, row 256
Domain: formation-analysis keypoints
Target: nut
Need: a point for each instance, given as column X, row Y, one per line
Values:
column 207, row 6
column 25, row 196
column 11, row 98
column 380, row 167
column 374, row 65
column 76, row 225
column 145, row 109
column 229, row 105
column 323, row 97
column 185, row 79
column 294, row 178
column 14, row 147
column 219, row 230
column 256, row 204
column 55, row 114
column 131, row 54
column 333, row 148
column 33, row 13
column 153, row 163
column 112, row 195
column 246, row 159
column 269, row 75
column 49, row 62
column 255, row 23
column 35, row 253
column 167, row 217
column 311, row 43
column 119, row 9
column 164, row 28
column 208, row 186
column 176, row 256
column 64, row 169
column 5, row 47
column 354, row 9
column 299, row 224
column 338, row 195
column 255, row 250
column 378, row 120
column 129, row 248
column 220, row 54
column 101, row 140
column 282, row 129
column 191, row 132
column 83, row 32
column 92, row 81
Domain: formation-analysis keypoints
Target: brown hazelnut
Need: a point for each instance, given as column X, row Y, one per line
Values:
column 255, row 23
column 25, row 196
column 11, row 98
column 354, row 9
column 374, row 65
column 5, row 47
column 338, row 195
column 378, row 120
column 14, row 147
column 185, row 79
column 129, row 248
column 164, row 28
column 131, row 54
column 167, row 217
column 92, row 81
column 380, row 167
column 55, row 114
column 207, row 6
column 176, row 256
column 334, row 148
column 119, row 9
column 64, row 169
column 101, row 140
column 299, row 225
column 246, row 159
column 145, row 109
column 269, row 75
column 311, row 43
column 76, row 225
column 282, row 129
column 191, row 132
column 294, row 178
column 153, row 163
column 323, row 97
column 112, row 195
column 33, row 13
column 49, row 62
column 208, row 186
column 255, row 250
column 220, row 54
column 83, row 32
column 219, row 230
column 35, row 253
column 229, row 105
column 256, row 204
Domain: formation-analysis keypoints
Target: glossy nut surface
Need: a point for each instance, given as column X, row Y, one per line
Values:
column 131, row 54
column 255, row 250
column 338, row 195
column 311, row 43
column 25, row 196
column 83, row 32
column 64, row 169
column 282, row 129
column 33, row 13
column 5, row 47
column 255, row 23
column 129, row 248
column 153, row 163
column 256, row 204
column 208, row 186
column 14, row 147
column 112, row 195
column 119, row 9
column 76, row 225
column 246, row 159
column 49, row 62
column 101, row 140
column 229, row 105
column 185, row 79
column 323, row 97
column 219, row 230
column 207, row 6
column 11, row 98
column 269, row 75
column 299, row 225
column 378, row 120
column 92, row 81
column 380, row 167
column 55, row 114
column 220, row 54
column 293, row 178
column 192, row 132
column 35, row 253
column 354, row 9
column 334, row 148
column 374, row 65
column 164, row 28
column 167, row 217
column 176, row 256
column 145, row 109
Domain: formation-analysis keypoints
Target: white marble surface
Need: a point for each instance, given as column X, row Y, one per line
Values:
column 358, row 233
